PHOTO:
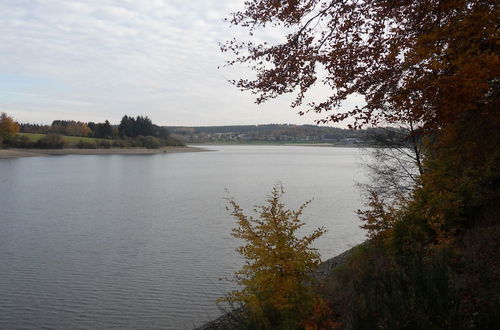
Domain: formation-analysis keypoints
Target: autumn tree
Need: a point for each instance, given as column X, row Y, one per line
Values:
column 276, row 277
column 8, row 127
column 70, row 127
column 433, row 64
column 419, row 61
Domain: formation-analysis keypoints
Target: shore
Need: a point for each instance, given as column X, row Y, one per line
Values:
column 17, row 153
column 320, row 145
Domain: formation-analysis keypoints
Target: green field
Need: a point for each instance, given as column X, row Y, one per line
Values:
column 71, row 140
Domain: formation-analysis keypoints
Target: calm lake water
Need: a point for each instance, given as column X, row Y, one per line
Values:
column 140, row 241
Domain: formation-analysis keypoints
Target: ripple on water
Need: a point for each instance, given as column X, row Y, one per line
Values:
column 140, row 241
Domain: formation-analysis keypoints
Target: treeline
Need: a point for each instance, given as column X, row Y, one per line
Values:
column 131, row 132
column 257, row 131
column 72, row 128
column 128, row 127
column 280, row 133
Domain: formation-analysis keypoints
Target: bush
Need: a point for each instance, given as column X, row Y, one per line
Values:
column 120, row 143
column 276, row 279
column 20, row 141
column 103, row 144
column 140, row 141
column 404, row 286
column 151, row 142
column 174, row 141
column 86, row 145
column 135, row 142
column 51, row 141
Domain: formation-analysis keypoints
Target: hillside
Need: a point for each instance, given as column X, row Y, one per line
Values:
column 275, row 133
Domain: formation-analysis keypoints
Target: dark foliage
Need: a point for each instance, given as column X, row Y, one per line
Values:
column 82, row 144
column 51, row 141
column 34, row 128
column 101, row 130
column 21, row 141
column 133, row 127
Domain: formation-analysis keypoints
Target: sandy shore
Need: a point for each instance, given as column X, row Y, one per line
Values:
column 16, row 153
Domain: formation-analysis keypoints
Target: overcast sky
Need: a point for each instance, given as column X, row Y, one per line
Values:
column 93, row 60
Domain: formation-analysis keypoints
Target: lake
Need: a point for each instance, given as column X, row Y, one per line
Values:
column 122, row 241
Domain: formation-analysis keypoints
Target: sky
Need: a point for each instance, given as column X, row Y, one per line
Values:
column 94, row 60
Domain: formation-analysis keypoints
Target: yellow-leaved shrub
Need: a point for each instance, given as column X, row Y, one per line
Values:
column 276, row 285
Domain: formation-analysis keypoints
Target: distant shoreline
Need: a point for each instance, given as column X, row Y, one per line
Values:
column 18, row 153
column 330, row 145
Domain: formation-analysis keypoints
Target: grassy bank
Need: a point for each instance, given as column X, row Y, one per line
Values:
column 71, row 141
